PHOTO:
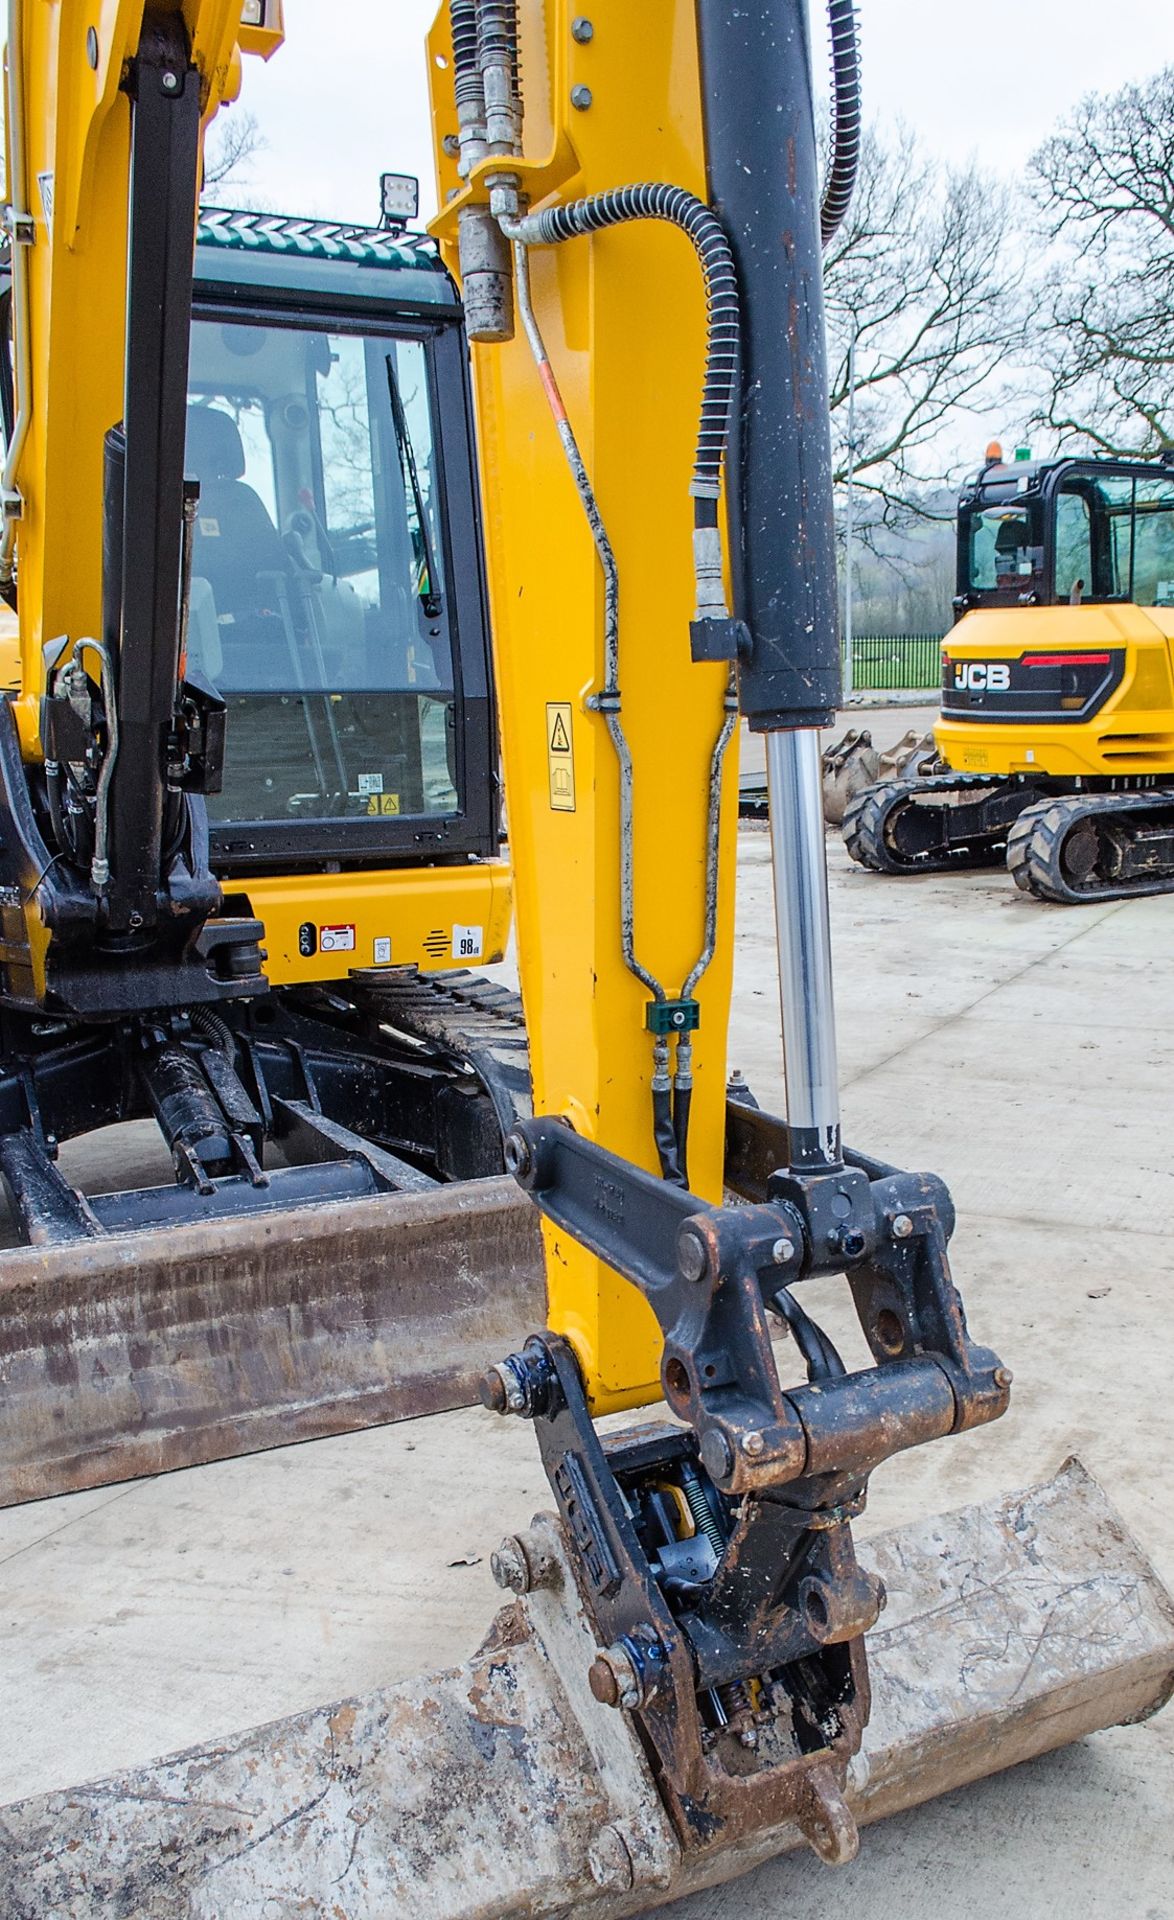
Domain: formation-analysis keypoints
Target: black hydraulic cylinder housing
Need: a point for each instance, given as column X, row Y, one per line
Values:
column 763, row 179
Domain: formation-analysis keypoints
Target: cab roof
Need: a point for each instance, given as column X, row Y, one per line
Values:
column 320, row 256
column 1001, row 480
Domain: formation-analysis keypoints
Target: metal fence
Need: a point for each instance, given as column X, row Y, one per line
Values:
column 905, row 660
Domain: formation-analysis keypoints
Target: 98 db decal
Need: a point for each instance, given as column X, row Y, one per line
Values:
column 468, row 943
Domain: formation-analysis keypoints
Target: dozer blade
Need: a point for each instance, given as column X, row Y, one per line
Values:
column 133, row 1353
column 503, row 1787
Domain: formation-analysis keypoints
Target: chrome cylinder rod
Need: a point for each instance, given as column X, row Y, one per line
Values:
column 793, row 772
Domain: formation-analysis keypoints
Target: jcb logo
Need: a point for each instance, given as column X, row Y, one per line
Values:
column 982, row 676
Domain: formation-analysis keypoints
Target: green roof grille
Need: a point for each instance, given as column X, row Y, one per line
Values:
column 277, row 233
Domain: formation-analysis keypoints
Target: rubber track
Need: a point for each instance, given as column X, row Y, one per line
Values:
column 1035, row 847
column 462, row 1018
column 866, row 819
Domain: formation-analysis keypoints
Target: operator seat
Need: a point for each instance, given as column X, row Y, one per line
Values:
column 236, row 543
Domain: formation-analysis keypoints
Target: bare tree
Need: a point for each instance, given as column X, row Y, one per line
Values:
column 1105, row 186
column 233, row 139
column 922, row 273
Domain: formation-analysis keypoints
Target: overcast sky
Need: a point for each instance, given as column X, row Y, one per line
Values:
column 346, row 97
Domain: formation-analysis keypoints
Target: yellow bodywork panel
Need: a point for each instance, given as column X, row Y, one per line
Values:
column 1133, row 733
column 70, row 57
column 623, row 318
column 9, row 651
column 320, row 925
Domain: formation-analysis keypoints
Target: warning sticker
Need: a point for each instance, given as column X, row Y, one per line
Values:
column 560, row 756
column 337, row 939
column 382, row 802
column 370, row 783
column 468, row 943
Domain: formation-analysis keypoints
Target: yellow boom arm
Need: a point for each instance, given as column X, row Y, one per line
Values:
column 623, row 318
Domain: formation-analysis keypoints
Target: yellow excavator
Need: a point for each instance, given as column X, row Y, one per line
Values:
column 680, row 1683
column 249, row 806
column 1057, row 720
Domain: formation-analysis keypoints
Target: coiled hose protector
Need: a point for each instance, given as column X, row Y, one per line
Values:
column 844, row 160
column 656, row 201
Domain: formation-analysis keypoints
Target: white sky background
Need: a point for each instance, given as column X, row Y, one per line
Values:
column 346, row 97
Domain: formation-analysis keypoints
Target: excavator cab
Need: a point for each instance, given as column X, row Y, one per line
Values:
column 1066, row 532
column 333, row 605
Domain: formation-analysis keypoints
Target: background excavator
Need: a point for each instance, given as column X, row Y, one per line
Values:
column 681, row 1683
column 1057, row 721
column 249, row 804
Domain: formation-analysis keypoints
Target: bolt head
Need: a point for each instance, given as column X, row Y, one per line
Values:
column 509, row 1566
column 902, row 1227
column 782, row 1251
column 601, row 1678
column 169, row 81
column 852, row 1243
column 581, row 98
column 1003, row 1376
column 613, row 1679
column 451, row 145
column 692, row 1254
column 582, row 29
column 609, row 1862
column 491, row 1390
column 753, row 1444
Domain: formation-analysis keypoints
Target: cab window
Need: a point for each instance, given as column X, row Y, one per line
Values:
column 318, row 608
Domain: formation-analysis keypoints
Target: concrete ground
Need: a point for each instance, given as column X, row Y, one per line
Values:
column 1025, row 1053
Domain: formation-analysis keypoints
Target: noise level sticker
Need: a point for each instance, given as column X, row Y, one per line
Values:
column 468, row 943
column 560, row 756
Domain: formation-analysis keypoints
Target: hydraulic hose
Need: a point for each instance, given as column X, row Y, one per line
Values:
column 56, row 809
column 468, row 84
column 844, row 157
column 671, row 1093
column 100, row 864
column 466, row 73
column 822, row 1359
column 657, row 201
column 497, row 58
column 663, row 1133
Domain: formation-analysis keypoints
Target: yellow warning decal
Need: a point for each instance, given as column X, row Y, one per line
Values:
column 560, row 755
column 383, row 803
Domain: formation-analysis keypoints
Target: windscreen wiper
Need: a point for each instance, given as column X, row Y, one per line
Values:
column 430, row 598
